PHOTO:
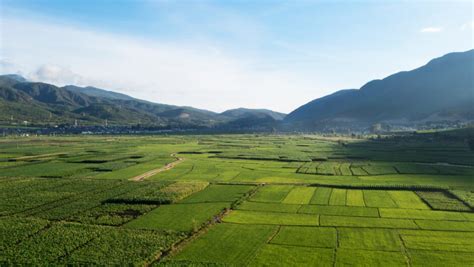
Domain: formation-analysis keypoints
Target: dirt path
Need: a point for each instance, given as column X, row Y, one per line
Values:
column 168, row 166
column 39, row 156
column 444, row 164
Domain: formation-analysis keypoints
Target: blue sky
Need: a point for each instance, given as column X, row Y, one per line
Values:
column 226, row 54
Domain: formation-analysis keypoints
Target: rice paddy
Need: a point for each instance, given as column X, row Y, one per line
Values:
column 242, row 200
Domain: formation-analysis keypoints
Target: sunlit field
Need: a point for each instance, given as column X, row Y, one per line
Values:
column 246, row 200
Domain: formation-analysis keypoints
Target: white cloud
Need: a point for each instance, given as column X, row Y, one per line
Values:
column 57, row 75
column 467, row 26
column 431, row 30
column 198, row 74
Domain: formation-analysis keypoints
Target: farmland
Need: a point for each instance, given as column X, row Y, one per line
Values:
column 245, row 200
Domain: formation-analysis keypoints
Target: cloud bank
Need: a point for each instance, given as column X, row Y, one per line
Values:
column 431, row 30
column 198, row 74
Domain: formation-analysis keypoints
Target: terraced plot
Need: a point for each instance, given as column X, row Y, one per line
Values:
column 310, row 234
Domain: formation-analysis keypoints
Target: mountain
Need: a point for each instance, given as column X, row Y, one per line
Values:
column 93, row 91
column 442, row 90
column 254, row 122
column 15, row 77
column 240, row 113
column 46, row 104
column 43, row 104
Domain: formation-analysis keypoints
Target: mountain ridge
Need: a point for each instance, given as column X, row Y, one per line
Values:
column 46, row 103
column 437, row 88
column 441, row 90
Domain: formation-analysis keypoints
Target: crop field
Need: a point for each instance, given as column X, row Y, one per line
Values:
column 238, row 200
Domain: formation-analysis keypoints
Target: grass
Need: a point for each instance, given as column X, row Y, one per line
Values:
column 339, row 210
column 214, row 246
column 441, row 258
column 367, row 222
column 218, row 193
column 53, row 169
column 273, row 193
column 132, row 171
column 320, row 237
column 338, row 197
column 321, row 196
column 299, row 195
column 289, row 200
column 178, row 217
column 270, row 207
column 378, row 198
column 369, row 239
column 278, row 255
column 355, row 198
column 352, row 257
column 445, row 225
column 421, row 214
column 407, row 200
column 437, row 242
column 271, row 218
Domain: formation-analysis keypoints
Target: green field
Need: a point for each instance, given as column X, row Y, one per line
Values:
column 238, row 200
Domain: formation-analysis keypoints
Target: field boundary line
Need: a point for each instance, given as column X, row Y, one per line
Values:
column 336, row 245
column 178, row 246
column 257, row 250
column 271, row 237
column 405, row 250
column 297, row 246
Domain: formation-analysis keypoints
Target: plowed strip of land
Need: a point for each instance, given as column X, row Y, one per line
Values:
column 150, row 173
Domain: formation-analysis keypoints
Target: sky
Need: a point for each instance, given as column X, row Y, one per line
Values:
column 218, row 55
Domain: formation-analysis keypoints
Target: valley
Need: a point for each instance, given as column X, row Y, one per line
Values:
column 239, row 200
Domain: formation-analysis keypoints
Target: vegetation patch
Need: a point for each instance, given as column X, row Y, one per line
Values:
column 356, row 208
column 272, row 218
column 272, row 193
column 442, row 201
column 219, row 193
column 321, row 237
column 280, row 255
column 378, row 198
column 214, row 246
column 347, row 257
column 343, row 221
column 123, row 247
column 321, row 196
column 155, row 193
column 179, row 217
column 270, row 207
column 299, row 195
column 421, row 214
column 369, row 239
column 339, row 210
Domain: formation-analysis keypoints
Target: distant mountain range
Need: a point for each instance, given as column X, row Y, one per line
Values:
column 442, row 90
column 46, row 104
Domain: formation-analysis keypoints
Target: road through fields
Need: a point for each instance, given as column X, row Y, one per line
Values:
column 150, row 173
